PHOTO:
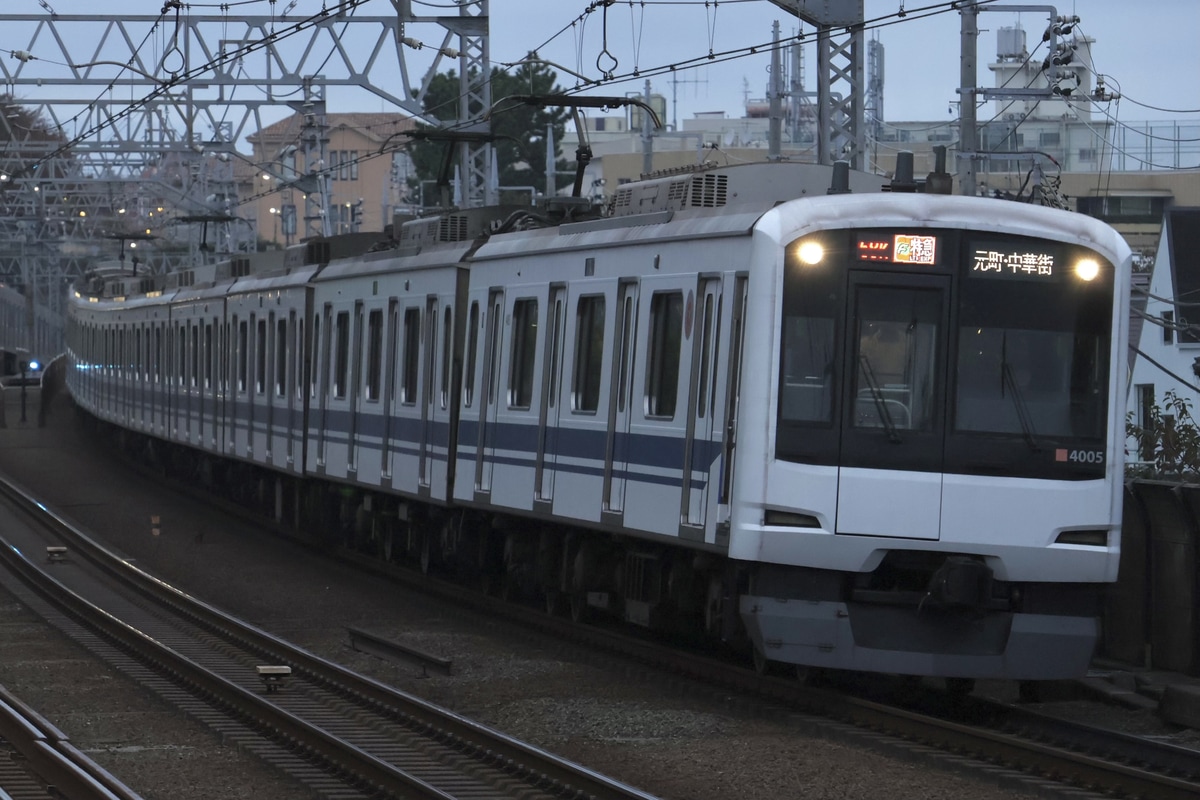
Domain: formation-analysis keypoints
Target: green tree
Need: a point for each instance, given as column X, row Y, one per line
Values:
column 1170, row 440
column 520, row 129
column 27, row 138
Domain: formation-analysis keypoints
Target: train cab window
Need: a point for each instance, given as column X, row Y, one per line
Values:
column 341, row 364
column 662, row 364
column 374, row 353
column 589, row 353
column 897, row 358
column 524, row 350
column 812, row 299
column 1033, row 359
column 281, row 343
column 412, row 356
column 472, row 351
column 260, row 357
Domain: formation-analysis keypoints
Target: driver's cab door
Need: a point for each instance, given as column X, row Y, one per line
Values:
column 894, row 405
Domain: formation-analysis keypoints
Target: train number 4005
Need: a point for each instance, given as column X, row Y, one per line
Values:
column 1079, row 456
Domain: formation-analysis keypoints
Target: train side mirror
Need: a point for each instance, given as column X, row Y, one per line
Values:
column 23, row 365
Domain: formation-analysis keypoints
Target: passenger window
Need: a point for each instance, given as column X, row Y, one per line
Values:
column 412, row 355
column 260, row 357
column 374, row 353
column 341, row 354
column 472, row 349
column 524, row 350
column 281, row 343
column 446, row 331
column 662, row 364
column 589, row 353
column 243, row 378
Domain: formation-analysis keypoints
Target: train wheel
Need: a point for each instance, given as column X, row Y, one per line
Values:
column 580, row 612
column 554, row 601
column 424, row 550
column 1029, row 691
column 959, row 688
column 811, row 676
column 762, row 664
column 714, row 605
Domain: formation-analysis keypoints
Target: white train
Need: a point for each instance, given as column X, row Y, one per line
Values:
column 864, row 430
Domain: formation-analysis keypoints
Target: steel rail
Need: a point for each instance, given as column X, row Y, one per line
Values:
column 53, row 758
column 469, row 737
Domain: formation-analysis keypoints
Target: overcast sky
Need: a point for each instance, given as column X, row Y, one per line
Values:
column 1148, row 48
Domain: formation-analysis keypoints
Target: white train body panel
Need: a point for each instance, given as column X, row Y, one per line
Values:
column 262, row 417
column 390, row 426
column 198, row 392
column 608, row 459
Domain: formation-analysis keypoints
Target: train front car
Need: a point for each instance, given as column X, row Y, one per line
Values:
column 928, row 476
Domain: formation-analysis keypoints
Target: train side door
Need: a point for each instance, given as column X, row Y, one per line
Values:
column 620, row 411
column 551, row 385
column 893, row 415
column 486, row 449
column 733, row 388
column 390, row 353
column 699, row 446
column 428, row 387
column 321, row 348
column 354, row 390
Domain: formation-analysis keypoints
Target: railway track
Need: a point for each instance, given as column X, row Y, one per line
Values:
column 42, row 762
column 338, row 732
column 1056, row 756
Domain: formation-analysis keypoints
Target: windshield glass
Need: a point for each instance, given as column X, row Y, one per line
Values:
column 989, row 354
column 1032, row 349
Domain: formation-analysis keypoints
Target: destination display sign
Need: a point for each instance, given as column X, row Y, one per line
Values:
column 899, row 248
column 1006, row 260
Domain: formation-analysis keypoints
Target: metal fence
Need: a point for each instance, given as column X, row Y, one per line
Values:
column 1152, row 614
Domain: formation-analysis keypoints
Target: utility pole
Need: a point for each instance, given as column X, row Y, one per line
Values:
column 968, row 137
column 841, row 132
column 647, row 135
column 774, row 98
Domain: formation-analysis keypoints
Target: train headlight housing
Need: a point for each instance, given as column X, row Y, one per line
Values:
column 810, row 253
column 1087, row 269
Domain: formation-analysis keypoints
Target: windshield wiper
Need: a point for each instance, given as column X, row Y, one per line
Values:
column 885, row 416
column 1007, row 378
